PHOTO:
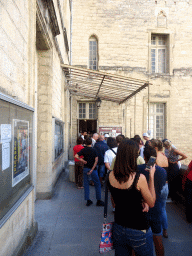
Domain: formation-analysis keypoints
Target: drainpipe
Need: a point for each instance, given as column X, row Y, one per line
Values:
column 130, row 126
column 148, row 104
column 70, row 63
column 71, row 119
column 135, row 115
column 71, row 21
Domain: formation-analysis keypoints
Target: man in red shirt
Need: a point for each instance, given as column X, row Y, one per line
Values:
column 78, row 164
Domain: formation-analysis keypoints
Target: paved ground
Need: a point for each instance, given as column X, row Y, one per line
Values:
column 67, row 227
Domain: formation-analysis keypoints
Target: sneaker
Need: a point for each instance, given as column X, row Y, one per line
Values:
column 165, row 233
column 89, row 202
column 169, row 200
column 100, row 203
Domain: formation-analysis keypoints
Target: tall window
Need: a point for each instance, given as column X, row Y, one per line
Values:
column 157, row 120
column 92, row 110
column 87, row 110
column 159, row 54
column 82, row 110
column 93, row 53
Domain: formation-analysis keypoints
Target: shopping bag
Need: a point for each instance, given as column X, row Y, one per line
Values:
column 106, row 243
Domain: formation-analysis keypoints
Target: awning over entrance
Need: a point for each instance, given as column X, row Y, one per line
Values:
column 97, row 84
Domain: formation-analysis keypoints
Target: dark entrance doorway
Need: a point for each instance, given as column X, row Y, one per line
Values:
column 89, row 126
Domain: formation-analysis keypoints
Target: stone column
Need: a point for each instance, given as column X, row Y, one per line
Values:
column 44, row 125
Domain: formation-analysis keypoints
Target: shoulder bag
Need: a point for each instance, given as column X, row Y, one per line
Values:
column 106, row 243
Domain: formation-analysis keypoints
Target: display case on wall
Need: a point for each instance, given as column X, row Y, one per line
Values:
column 16, row 152
column 58, row 130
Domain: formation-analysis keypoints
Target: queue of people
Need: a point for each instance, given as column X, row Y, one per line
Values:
column 138, row 194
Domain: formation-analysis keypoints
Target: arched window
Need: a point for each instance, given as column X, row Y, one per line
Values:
column 93, row 53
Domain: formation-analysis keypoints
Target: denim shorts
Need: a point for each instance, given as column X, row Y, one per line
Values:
column 126, row 239
column 155, row 219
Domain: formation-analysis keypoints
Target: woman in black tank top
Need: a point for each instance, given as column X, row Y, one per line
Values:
column 130, row 190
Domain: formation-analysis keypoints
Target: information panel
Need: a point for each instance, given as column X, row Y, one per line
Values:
column 111, row 131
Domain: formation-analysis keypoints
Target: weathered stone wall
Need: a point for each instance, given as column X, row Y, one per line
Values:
column 17, row 54
column 44, row 123
column 53, row 100
column 123, row 29
column 17, row 228
column 16, row 61
column 115, row 112
column 30, row 72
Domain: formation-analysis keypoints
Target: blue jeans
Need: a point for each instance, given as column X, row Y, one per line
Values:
column 101, row 170
column 163, row 199
column 95, row 178
column 126, row 239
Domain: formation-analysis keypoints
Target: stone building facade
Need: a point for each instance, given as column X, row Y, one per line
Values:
column 149, row 40
column 35, row 123
column 40, row 120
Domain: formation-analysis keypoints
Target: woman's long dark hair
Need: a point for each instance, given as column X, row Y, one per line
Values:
column 126, row 160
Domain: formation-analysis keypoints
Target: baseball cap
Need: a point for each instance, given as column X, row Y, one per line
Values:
column 106, row 135
column 146, row 135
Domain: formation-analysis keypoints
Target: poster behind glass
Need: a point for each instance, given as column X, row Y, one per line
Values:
column 20, row 151
column 58, row 139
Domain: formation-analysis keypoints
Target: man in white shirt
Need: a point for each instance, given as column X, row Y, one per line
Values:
column 94, row 139
column 106, row 137
column 83, row 134
column 110, row 153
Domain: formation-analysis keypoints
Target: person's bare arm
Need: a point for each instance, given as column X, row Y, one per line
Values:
column 148, row 190
column 93, row 168
column 80, row 159
column 107, row 165
column 183, row 156
column 145, row 207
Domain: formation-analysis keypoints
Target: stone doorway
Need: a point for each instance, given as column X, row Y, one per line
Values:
column 90, row 126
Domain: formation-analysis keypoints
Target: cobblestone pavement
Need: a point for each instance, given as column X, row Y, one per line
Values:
column 67, row 227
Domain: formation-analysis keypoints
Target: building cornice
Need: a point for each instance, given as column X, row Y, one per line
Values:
column 43, row 27
column 53, row 18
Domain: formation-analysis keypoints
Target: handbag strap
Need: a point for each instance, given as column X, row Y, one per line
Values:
column 106, row 196
column 113, row 151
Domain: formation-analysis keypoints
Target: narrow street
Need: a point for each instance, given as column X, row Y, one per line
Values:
column 67, row 227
